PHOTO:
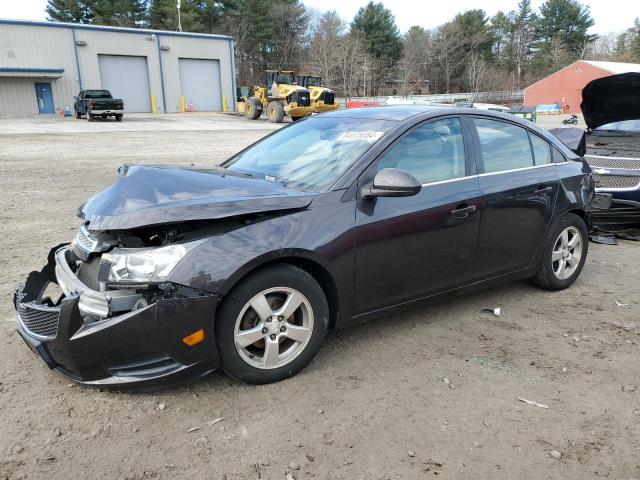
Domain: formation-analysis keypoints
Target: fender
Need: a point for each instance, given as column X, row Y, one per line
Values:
column 222, row 261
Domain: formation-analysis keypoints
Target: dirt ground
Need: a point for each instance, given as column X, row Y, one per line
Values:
column 432, row 392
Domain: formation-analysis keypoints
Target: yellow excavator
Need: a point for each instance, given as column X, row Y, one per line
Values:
column 279, row 97
column 322, row 98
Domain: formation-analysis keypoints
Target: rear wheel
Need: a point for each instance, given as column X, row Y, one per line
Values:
column 119, row 117
column 253, row 108
column 275, row 112
column 565, row 252
column 271, row 325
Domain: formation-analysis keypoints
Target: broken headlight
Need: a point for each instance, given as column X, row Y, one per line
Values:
column 145, row 265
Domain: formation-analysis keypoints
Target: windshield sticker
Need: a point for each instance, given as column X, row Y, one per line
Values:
column 359, row 136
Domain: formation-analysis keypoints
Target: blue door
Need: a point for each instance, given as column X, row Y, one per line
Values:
column 44, row 98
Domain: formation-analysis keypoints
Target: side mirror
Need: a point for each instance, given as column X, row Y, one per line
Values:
column 393, row 182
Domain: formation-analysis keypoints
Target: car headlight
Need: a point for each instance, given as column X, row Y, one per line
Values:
column 145, row 265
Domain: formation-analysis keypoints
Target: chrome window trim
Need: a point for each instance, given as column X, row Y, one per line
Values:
column 517, row 169
column 449, row 180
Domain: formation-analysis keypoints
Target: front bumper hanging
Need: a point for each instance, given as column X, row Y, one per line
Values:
column 87, row 337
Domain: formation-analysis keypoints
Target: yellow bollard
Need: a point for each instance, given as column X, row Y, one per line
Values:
column 224, row 104
column 182, row 103
column 153, row 103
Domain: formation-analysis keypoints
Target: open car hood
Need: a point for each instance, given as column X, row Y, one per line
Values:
column 611, row 99
column 147, row 195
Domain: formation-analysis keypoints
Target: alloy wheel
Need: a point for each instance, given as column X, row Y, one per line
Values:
column 567, row 252
column 273, row 328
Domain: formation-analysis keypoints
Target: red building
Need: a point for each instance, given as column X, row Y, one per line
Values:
column 564, row 87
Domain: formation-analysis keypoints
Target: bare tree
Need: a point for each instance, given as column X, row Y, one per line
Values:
column 476, row 66
column 327, row 39
column 603, row 48
column 417, row 53
column 350, row 63
column 449, row 51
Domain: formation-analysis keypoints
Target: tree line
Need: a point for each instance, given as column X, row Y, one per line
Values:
column 368, row 55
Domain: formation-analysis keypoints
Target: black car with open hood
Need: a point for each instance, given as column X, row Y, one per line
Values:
column 611, row 109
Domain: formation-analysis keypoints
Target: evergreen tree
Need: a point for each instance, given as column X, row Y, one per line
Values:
column 72, row 11
column 121, row 13
column 163, row 15
column 377, row 28
column 566, row 22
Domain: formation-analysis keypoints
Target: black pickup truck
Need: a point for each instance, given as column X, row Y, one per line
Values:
column 98, row 103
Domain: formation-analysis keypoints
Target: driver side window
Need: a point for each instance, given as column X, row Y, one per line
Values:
column 431, row 152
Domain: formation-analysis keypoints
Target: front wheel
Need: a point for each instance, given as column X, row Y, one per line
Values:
column 119, row 117
column 565, row 252
column 271, row 325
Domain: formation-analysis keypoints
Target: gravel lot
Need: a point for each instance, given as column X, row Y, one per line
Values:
column 430, row 392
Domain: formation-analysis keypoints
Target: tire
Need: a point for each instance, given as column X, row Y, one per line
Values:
column 119, row 118
column 253, row 108
column 558, row 251
column 237, row 321
column 275, row 112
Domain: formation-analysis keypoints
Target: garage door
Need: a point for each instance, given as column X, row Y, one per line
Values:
column 200, row 84
column 127, row 78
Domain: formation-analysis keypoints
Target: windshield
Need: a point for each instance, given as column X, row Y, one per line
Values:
column 313, row 82
column 624, row 126
column 310, row 154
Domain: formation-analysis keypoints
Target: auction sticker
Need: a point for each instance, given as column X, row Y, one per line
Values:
column 360, row 136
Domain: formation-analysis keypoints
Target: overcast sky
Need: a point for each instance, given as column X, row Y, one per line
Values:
column 610, row 15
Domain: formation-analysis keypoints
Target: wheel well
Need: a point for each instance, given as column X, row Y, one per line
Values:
column 582, row 214
column 318, row 272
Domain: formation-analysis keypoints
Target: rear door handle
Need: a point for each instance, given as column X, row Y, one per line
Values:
column 463, row 211
column 544, row 190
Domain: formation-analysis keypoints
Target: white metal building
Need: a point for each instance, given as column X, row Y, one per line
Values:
column 44, row 64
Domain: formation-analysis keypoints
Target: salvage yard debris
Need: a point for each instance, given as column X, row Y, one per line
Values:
column 533, row 402
column 212, row 422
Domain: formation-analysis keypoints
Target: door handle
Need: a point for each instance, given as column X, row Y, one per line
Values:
column 543, row 190
column 463, row 212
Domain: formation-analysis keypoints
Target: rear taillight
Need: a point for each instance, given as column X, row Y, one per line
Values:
column 122, row 102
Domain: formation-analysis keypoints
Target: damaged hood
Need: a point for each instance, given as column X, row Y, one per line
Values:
column 611, row 99
column 147, row 195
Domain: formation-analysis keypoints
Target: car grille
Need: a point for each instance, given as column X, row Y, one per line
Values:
column 87, row 273
column 616, row 181
column 613, row 162
column 39, row 320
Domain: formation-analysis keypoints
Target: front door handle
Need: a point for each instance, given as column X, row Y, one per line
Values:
column 543, row 190
column 463, row 211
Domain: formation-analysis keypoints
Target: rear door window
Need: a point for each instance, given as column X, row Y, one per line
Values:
column 558, row 157
column 504, row 146
column 541, row 150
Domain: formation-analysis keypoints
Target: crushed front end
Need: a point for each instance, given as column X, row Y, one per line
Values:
column 90, row 322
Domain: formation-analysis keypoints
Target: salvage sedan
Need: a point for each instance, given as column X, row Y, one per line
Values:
column 329, row 222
